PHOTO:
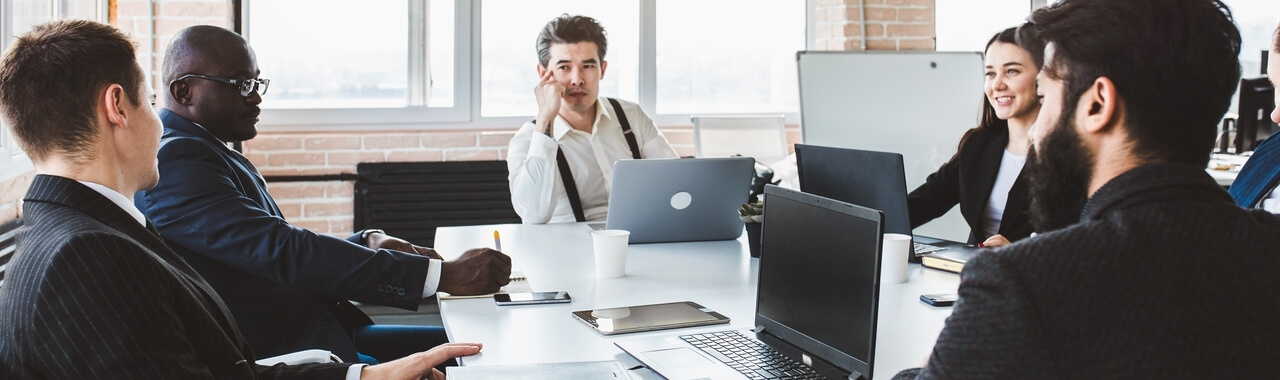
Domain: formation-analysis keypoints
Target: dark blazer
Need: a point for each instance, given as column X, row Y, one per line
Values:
column 1163, row 278
column 967, row 179
column 287, row 287
column 93, row 294
column 1259, row 176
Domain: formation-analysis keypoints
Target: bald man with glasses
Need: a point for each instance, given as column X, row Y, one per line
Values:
column 287, row 287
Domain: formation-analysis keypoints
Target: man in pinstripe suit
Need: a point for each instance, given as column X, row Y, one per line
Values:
column 93, row 292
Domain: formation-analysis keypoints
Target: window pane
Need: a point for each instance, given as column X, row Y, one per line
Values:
column 728, row 56
column 330, row 54
column 440, row 40
column 1257, row 20
column 967, row 25
column 509, row 59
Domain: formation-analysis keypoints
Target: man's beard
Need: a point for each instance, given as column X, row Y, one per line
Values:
column 1058, row 178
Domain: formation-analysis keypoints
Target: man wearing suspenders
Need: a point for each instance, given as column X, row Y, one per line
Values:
column 561, row 164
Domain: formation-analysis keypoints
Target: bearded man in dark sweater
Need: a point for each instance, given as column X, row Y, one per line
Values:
column 1146, row 268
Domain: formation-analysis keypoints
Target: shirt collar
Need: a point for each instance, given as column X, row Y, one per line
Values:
column 562, row 127
column 119, row 200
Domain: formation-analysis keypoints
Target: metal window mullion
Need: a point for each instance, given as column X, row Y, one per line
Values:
column 419, row 65
column 649, row 56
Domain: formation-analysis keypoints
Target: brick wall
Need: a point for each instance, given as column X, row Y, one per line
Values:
column 326, row 207
column 891, row 24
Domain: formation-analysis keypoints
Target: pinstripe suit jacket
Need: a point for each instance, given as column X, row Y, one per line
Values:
column 91, row 293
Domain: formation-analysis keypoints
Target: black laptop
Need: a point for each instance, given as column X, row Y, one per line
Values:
column 877, row 180
column 817, row 301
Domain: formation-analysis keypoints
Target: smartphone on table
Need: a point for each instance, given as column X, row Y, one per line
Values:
column 940, row 300
column 506, row 299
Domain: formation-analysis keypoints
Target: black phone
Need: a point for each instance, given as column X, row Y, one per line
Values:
column 505, row 299
column 940, row 300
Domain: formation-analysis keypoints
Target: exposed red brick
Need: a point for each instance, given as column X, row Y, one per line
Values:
column 679, row 136
column 317, row 226
column 420, row 155
column 911, row 3
column 351, row 158
column 327, row 208
column 881, row 14
column 273, row 143
column 910, row 30
column 390, row 141
column 493, row 139
column 471, row 155
column 882, row 44
column 920, row 44
column 194, row 8
column 449, row 139
column 296, row 159
column 916, row 15
column 332, row 142
column 293, row 171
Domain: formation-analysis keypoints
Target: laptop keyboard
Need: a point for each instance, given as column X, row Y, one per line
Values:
column 752, row 358
column 922, row 248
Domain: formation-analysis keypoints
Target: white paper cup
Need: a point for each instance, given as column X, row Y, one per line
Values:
column 610, row 252
column 893, row 258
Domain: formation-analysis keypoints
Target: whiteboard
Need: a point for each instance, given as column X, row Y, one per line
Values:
column 918, row 104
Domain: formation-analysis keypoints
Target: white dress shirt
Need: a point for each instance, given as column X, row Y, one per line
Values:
column 537, row 192
column 1272, row 202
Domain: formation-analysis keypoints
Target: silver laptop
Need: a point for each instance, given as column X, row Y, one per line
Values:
column 817, row 300
column 673, row 200
column 872, row 179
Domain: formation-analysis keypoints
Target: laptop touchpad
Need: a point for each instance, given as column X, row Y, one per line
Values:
column 677, row 358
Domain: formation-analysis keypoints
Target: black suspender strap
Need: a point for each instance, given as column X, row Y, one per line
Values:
column 570, row 189
column 626, row 128
column 566, row 175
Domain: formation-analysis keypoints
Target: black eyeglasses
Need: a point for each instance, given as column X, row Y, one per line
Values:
column 247, row 86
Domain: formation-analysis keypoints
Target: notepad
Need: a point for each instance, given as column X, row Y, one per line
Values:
column 519, row 284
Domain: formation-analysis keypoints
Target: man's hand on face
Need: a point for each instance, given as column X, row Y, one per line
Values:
column 549, row 93
column 477, row 271
column 383, row 241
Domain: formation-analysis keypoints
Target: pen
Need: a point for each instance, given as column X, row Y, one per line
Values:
column 497, row 241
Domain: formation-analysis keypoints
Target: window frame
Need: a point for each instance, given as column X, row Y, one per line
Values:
column 465, row 112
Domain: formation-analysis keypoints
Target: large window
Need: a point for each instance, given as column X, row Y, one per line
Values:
column 457, row 63
column 967, row 25
column 508, row 58
column 376, row 59
column 728, row 56
column 17, row 17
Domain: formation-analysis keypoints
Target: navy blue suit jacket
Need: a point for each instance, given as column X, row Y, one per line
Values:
column 1259, row 176
column 92, row 294
column 286, row 286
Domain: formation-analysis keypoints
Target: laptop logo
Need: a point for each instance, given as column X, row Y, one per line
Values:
column 681, row 200
column 806, row 359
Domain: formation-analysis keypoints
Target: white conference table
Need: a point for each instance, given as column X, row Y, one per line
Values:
column 720, row 275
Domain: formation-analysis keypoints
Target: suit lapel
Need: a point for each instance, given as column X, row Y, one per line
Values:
column 988, row 166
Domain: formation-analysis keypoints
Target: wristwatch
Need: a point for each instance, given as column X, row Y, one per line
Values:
column 364, row 235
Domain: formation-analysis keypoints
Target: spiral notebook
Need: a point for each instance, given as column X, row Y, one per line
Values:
column 519, row 284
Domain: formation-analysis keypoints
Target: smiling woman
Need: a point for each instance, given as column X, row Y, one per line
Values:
column 985, row 177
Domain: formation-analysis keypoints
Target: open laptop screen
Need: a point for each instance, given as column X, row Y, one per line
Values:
column 864, row 178
column 818, row 283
